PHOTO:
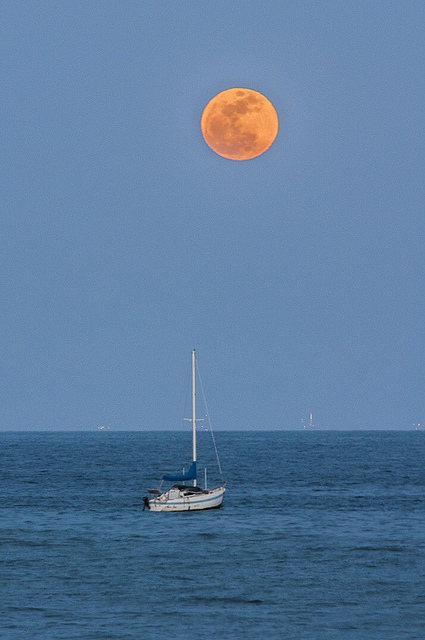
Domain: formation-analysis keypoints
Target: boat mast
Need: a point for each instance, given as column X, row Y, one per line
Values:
column 193, row 412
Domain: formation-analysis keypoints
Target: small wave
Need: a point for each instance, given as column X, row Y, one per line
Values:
column 229, row 600
column 391, row 548
column 25, row 609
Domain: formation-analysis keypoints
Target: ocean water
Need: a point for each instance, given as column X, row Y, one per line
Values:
column 321, row 536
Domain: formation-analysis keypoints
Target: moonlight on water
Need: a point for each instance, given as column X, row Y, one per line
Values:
column 239, row 124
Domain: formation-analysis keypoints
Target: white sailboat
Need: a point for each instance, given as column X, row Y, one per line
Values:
column 182, row 496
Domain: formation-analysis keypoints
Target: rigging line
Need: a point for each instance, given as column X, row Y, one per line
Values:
column 209, row 420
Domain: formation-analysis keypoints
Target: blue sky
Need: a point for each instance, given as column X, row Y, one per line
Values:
column 298, row 276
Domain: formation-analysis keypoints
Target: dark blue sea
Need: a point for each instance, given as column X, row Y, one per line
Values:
column 321, row 536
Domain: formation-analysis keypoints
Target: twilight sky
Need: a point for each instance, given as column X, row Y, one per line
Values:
column 298, row 276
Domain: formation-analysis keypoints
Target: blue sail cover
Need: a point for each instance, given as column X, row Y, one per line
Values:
column 190, row 474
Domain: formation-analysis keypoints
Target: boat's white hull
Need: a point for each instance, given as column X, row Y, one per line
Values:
column 185, row 500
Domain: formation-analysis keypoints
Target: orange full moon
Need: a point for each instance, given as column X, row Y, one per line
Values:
column 239, row 124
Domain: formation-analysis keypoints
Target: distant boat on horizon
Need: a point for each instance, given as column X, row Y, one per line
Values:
column 308, row 423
